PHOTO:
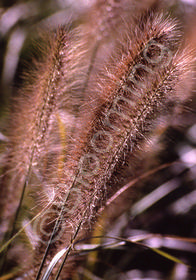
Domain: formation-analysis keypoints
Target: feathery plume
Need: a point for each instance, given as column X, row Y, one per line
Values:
column 76, row 153
column 129, row 96
column 34, row 116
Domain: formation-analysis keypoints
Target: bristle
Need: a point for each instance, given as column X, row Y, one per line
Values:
column 130, row 94
column 32, row 121
column 78, row 122
column 101, row 27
